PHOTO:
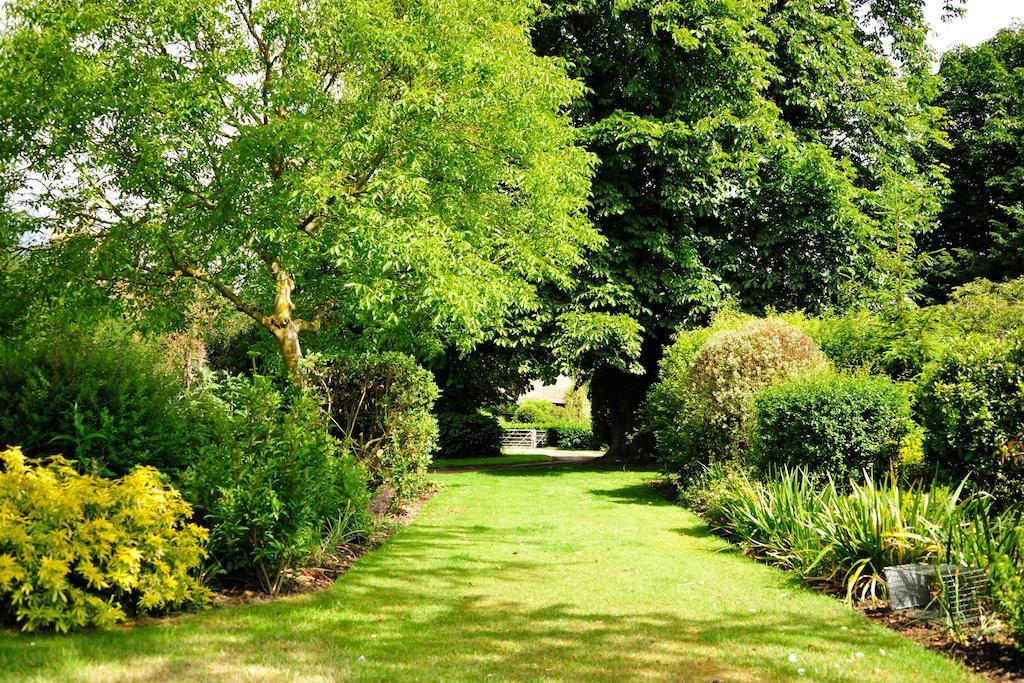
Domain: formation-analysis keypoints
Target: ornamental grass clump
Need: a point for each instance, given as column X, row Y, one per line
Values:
column 79, row 550
column 843, row 540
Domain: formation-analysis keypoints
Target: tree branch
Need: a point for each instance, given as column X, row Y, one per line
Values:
column 182, row 268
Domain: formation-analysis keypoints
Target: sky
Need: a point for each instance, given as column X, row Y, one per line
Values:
column 983, row 19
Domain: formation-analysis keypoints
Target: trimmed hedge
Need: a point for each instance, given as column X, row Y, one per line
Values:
column 832, row 424
column 971, row 404
column 468, row 435
column 578, row 437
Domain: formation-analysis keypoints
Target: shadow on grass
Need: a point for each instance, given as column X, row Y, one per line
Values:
column 453, row 602
column 409, row 634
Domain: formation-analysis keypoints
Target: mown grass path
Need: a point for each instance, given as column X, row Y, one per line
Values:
column 524, row 574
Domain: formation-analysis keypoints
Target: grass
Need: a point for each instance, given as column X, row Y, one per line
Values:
column 504, row 459
column 525, row 574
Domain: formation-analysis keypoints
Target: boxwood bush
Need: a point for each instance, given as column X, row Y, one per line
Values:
column 971, row 404
column 834, row 424
column 468, row 435
column 80, row 550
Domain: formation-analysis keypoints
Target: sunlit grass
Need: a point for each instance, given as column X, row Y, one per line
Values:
column 524, row 574
column 506, row 459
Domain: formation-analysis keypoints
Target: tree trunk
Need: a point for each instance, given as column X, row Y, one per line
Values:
column 284, row 326
column 291, row 350
column 615, row 398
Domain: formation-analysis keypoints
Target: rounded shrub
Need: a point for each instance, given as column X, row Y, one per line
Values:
column 971, row 405
column 99, row 395
column 832, row 424
column 468, row 435
column 79, row 550
column 380, row 406
column 700, row 410
column 533, row 410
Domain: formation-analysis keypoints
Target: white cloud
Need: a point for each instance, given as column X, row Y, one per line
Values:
column 983, row 19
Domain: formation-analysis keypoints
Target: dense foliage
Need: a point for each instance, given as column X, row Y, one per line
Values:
column 380, row 407
column 468, row 435
column 572, row 436
column 537, row 410
column 981, row 227
column 847, row 538
column 100, row 396
column 402, row 172
column 79, row 550
column 701, row 411
column 835, row 425
column 276, row 486
column 763, row 151
column 971, row 404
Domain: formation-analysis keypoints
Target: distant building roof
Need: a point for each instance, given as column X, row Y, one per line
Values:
column 555, row 393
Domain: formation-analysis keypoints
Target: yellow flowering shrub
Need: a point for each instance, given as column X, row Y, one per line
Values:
column 79, row 550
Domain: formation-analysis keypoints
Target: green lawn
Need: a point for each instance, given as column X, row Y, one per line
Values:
column 527, row 574
column 506, row 459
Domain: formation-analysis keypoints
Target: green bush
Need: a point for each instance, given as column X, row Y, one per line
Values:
column 971, row 404
column 1007, row 577
column 831, row 423
column 275, row 485
column 700, row 410
column 903, row 347
column 381, row 408
column 572, row 436
column 468, row 435
column 100, row 396
column 535, row 410
column 79, row 550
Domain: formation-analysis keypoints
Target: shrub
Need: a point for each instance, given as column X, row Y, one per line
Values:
column 278, row 482
column 842, row 539
column 78, row 550
column 855, row 340
column 102, row 396
column 971, row 404
column 835, row 424
column 381, row 406
column 573, row 436
column 700, row 410
column 903, row 348
column 535, row 410
column 468, row 435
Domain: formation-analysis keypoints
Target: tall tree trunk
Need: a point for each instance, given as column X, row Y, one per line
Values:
column 615, row 398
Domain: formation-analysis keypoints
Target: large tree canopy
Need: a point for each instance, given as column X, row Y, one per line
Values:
column 749, row 150
column 981, row 227
column 403, row 169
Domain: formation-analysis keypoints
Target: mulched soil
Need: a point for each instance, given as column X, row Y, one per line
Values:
column 990, row 655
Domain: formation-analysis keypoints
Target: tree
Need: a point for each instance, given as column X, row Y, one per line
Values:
column 981, row 227
column 401, row 170
column 741, row 147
